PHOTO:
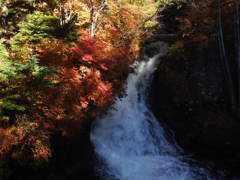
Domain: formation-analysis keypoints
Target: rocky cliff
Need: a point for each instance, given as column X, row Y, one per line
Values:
column 189, row 92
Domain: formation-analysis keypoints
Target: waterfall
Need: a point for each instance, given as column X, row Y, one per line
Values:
column 129, row 141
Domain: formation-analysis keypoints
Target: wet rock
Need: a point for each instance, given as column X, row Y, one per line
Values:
column 189, row 96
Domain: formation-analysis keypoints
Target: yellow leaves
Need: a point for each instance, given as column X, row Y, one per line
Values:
column 26, row 142
column 84, row 104
column 199, row 38
column 186, row 24
column 52, row 53
column 177, row 48
column 121, row 26
column 81, row 9
column 7, row 140
column 56, row 81
column 84, row 71
column 41, row 150
column 150, row 24
column 57, row 46
column 122, row 22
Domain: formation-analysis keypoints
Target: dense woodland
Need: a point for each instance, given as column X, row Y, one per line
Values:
column 63, row 63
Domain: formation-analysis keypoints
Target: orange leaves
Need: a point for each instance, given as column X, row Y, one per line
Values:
column 87, row 57
column 112, row 28
column 100, row 92
column 105, row 92
column 92, row 71
column 88, row 76
column 7, row 140
column 26, row 142
column 200, row 38
column 199, row 21
column 53, row 53
column 93, row 50
column 41, row 150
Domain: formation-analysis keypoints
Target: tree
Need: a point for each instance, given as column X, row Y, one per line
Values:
column 96, row 9
column 18, row 82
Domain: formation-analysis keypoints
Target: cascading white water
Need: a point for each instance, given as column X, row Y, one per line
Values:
column 130, row 142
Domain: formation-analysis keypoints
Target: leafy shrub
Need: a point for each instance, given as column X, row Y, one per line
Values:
column 6, row 68
column 38, row 26
column 19, row 83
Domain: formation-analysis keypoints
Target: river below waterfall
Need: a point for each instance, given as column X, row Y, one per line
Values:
column 129, row 141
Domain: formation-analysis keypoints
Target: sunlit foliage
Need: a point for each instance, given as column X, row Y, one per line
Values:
column 62, row 63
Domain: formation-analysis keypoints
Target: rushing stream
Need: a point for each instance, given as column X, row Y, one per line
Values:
column 129, row 141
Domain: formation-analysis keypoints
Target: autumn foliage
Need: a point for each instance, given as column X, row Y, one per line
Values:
column 88, row 76
column 61, row 66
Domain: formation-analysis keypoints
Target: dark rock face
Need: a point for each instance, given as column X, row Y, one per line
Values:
column 189, row 95
column 189, row 92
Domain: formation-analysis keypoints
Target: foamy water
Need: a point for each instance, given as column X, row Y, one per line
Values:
column 129, row 141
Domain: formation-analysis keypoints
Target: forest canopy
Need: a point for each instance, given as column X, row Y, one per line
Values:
column 58, row 61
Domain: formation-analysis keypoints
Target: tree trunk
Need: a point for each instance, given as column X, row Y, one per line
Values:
column 237, row 39
column 95, row 13
column 226, row 66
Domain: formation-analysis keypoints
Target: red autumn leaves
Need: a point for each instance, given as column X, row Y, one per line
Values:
column 91, row 73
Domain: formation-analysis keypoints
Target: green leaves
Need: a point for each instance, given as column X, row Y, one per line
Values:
column 10, row 105
column 18, row 81
column 37, row 26
column 3, row 52
column 39, row 77
column 6, row 67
